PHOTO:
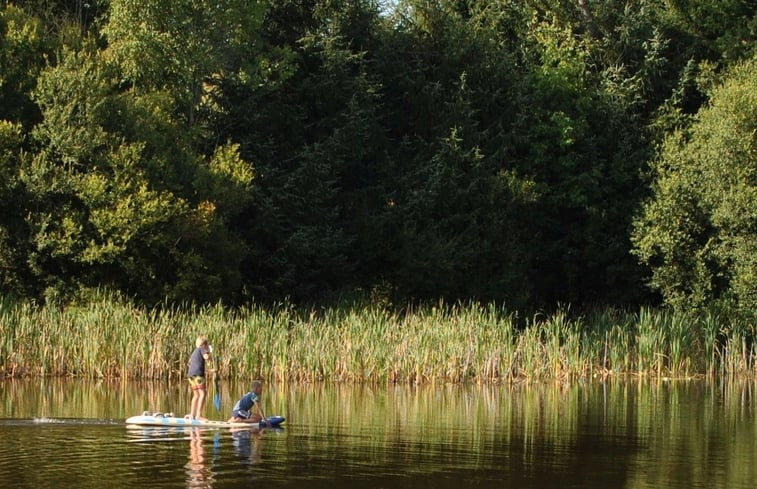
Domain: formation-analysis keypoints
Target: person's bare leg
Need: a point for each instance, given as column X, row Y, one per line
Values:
column 254, row 418
column 194, row 409
column 200, row 405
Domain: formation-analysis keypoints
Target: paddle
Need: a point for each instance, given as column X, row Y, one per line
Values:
column 217, row 395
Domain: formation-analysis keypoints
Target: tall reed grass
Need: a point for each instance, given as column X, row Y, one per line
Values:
column 109, row 337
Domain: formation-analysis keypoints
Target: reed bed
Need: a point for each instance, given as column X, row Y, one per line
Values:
column 109, row 337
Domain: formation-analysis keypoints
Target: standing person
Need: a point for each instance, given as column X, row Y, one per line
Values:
column 196, row 374
column 243, row 409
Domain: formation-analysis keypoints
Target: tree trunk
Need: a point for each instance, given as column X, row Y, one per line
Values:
column 588, row 19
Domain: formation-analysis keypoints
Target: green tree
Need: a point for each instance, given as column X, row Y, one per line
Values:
column 311, row 123
column 508, row 133
column 184, row 47
column 698, row 232
column 580, row 140
column 118, row 196
column 23, row 52
column 458, row 224
column 14, row 276
column 23, row 48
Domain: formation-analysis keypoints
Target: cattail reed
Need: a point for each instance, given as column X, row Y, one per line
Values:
column 449, row 343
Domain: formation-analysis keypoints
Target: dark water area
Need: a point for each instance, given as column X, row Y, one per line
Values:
column 621, row 434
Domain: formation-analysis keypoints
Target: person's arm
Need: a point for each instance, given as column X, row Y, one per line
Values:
column 260, row 410
column 208, row 356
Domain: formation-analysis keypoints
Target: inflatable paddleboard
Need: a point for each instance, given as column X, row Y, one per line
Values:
column 160, row 419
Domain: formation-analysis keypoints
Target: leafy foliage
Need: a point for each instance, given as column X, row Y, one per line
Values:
column 698, row 232
column 317, row 149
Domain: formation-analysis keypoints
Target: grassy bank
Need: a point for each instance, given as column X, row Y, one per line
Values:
column 473, row 343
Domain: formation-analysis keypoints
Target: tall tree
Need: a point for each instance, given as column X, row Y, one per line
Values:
column 311, row 122
column 511, row 87
column 185, row 48
column 698, row 232
column 459, row 209
column 127, row 189
column 24, row 49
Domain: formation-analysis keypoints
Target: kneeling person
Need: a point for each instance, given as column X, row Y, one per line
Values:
column 243, row 409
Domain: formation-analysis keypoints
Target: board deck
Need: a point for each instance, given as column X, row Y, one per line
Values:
column 158, row 419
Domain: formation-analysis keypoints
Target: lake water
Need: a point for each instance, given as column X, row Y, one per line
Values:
column 622, row 434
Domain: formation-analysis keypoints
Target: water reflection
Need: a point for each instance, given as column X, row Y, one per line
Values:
column 248, row 444
column 631, row 434
column 199, row 475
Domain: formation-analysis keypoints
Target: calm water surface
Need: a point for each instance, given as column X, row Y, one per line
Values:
column 71, row 433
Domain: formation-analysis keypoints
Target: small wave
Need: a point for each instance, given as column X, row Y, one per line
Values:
column 48, row 421
column 75, row 421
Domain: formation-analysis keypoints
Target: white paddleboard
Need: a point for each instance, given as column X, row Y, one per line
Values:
column 158, row 419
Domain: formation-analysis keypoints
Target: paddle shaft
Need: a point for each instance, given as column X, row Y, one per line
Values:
column 217, row 396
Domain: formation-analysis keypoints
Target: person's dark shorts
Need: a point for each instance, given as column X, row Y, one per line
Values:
column 241, row 413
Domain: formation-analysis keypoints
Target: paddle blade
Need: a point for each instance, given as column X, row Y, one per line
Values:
column 217, row 397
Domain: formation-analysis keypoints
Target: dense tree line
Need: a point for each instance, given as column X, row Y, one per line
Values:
column 529, row 153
